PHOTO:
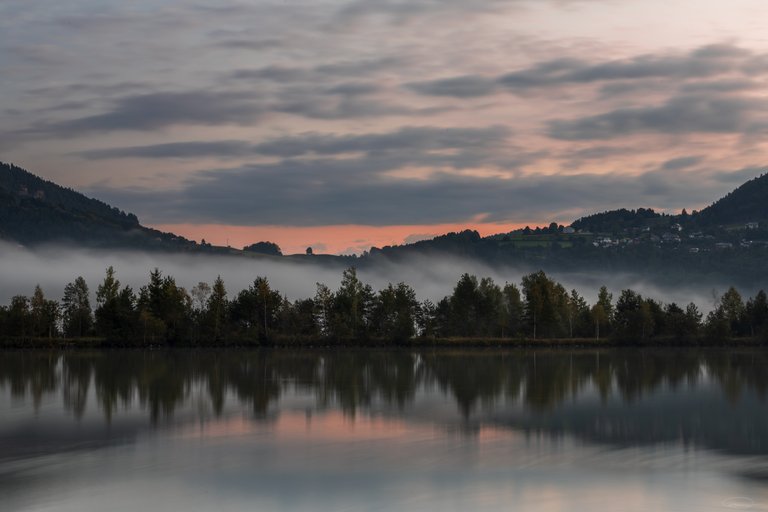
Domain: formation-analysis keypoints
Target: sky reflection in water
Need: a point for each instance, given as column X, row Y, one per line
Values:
column 384, row 430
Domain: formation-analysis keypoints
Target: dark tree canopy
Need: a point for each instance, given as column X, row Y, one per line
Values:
column 163, row 312
column 268, row 248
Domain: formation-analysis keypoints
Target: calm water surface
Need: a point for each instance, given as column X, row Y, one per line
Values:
column 443, row 430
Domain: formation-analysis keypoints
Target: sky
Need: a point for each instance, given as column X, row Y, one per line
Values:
column 343, row 125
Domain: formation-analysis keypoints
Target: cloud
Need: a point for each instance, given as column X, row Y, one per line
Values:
column 723, row 86
column 598, row 152
column 616, row 89
column 275, row 73
column 401, row 10
column 250, row 44
column 353, row 89
column 332, row 191
column 681, row 163
column 740, row 176
column 576, row 158
column 407, row 139
column 404, row 139
column 92, row 89
column 330, row 70
column 311, row 105
column 703, row 62
column 347, row 105
column 358, row 67
column 92, row 21
column 468, row 86
column 679, row 115
column 219, row 106
column 155, row 111
column 160, row 110
column 36, row 54
column 223, row 149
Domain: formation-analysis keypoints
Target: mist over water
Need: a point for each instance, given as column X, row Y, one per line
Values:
column 433, row 277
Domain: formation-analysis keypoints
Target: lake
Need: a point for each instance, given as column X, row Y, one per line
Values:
column 374, row 429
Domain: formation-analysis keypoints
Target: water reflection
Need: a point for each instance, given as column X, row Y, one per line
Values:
column 327, row 419
column 636, row 389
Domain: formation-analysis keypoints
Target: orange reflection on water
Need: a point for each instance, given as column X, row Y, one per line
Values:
column 326, row 426
column 331, row 426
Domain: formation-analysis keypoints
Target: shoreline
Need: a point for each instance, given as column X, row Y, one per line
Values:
column 416, row 343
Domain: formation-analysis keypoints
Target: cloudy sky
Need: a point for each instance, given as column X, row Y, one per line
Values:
column 346, row 124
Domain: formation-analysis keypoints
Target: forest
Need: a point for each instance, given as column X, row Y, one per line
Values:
column 536, row 309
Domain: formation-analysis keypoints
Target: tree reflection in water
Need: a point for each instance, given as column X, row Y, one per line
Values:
column 623, row 397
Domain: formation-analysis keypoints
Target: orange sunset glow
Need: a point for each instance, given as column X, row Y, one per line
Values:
column 504, row 114
column 349, row 239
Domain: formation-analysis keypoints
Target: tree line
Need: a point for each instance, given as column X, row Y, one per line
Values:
column 162, row 312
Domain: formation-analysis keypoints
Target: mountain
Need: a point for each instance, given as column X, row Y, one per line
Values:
column 725, row 243
column 748, row 203
column 727, row 240
column 34, row 211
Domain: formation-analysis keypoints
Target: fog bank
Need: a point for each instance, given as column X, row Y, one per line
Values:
column 53, row 267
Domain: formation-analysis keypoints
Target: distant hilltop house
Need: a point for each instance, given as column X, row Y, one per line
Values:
column 568, row 230
column 24, row 192
column 752, row 225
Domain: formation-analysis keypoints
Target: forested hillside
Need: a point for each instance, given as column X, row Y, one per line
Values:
column 617, row 220
column 726, row 242
column 35, row 211
column 748, row 203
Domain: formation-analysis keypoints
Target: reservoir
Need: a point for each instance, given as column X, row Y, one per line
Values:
column 384, row 430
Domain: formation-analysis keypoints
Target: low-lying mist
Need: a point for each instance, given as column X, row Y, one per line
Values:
column 432, row 277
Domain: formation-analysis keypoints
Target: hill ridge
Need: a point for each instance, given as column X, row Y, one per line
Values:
column 36, row 211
